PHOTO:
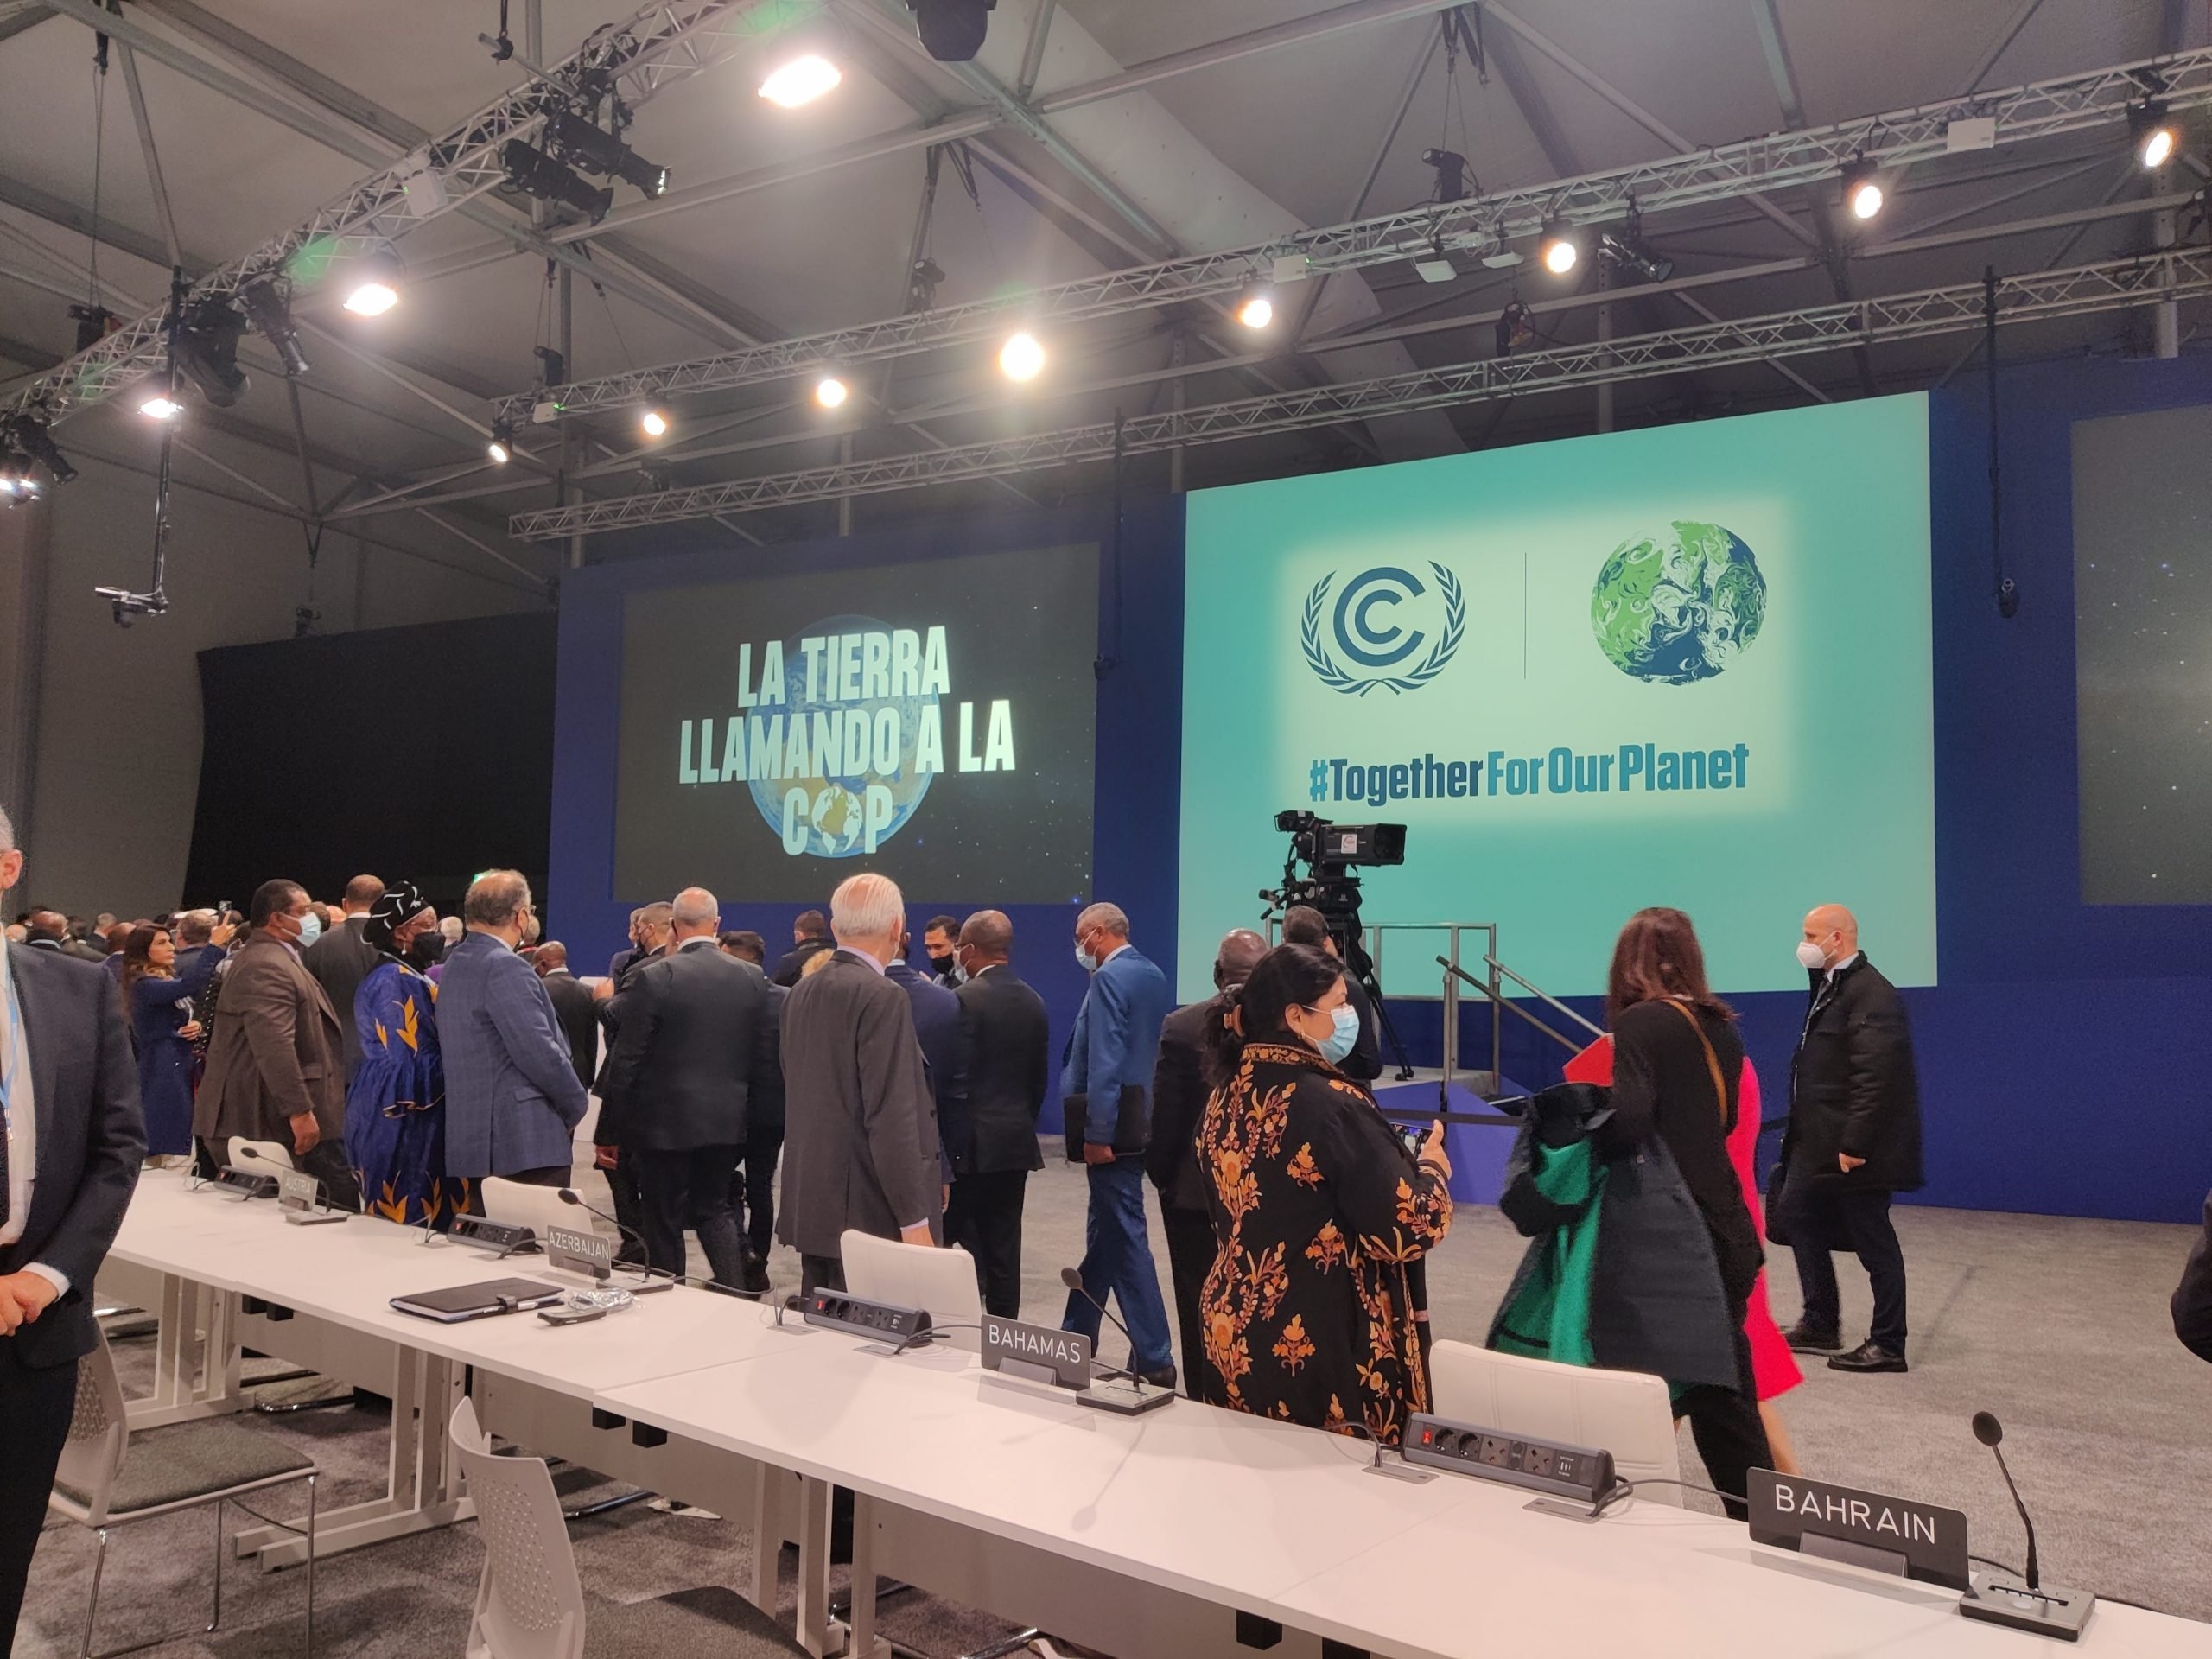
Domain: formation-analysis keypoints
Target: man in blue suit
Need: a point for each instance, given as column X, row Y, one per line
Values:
column 512, row 1098
column 1106, row 1090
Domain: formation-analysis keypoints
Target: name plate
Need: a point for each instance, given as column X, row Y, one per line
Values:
column 299, row 1191
column 588, row 1254
column 1045, row 1351
column 1892, row 1535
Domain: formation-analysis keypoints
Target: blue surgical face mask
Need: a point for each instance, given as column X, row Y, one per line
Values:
column 1083, row 956
column 1340, row 1042
column 310, row 929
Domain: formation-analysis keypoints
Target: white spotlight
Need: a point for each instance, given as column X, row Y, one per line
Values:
column 801, row 81
column 654, row 422
column 1021, row 358
column 1862, row 190
column 829, row 391
column 1255, row 311
column 372, row 299
column 161, row 407
column 1557, row 251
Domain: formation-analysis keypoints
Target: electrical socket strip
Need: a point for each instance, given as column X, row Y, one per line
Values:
column 861, row 1317
column 245, row 1183
column 1540, row 1465
column 504, row 1236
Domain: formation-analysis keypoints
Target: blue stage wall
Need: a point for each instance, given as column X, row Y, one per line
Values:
column 2064, row 1053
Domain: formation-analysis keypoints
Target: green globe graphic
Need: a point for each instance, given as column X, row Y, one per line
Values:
column 834, row 809
column 1678, row 607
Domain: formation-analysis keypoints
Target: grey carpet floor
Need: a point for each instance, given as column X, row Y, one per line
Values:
column 2059, row 1326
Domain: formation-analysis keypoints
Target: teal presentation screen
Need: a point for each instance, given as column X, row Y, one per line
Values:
column 1684, row 667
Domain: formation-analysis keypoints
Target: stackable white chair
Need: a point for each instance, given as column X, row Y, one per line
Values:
column 1624, row 1412
column 519, row 1204
column 941, row 1283
column 270, row 1152
column 166, row 1470
column 530, row 1603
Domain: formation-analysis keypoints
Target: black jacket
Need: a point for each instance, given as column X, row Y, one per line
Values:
column 1178, row 1100
column 1010, row 1056
column 579, row 1018
column 763, row 1107
column 688, row 1051
column 2192, row 1303
column 91, row 1140
column 1853, row 1085
column 789, row 966
column 340, row 961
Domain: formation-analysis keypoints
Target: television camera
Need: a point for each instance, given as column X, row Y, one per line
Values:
column 1331, row 854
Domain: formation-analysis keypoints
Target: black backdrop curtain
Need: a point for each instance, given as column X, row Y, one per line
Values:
column 421, row 753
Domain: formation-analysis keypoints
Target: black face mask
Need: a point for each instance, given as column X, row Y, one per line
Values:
column 941, row 964
column 425, row 949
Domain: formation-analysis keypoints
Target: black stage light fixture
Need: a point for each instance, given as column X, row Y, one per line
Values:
column 2156, row 137
column 535, row 173
column 1515, row 328
column 597, row 150
column 501, row 448
column 1630, row 253
column 552, row 366
column 1450, row 173
column 952, row 30
column 94, row 324
column 207, row 350
column 28, row 435
column 271, row 313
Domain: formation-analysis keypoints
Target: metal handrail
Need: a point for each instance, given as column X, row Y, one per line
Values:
column 1499, row 1002
column 1545, row 996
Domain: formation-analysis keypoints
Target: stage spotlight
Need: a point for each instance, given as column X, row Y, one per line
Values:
column 1557, row 250
column 535, row 173
column 271, row 313
column 161, row 407
column 501, row 449
column 1514, row 329
column 2156, row 138
column 375, row 280
column 655, row 424
column 1862, row 189
column 1452, row 171
column 829, row 391
column 800, row 81
column 1629, row 253
column 1021, row 358
column 207, row 350
column 953, row 31
column 597, row 150
column 1256, row 309
column 29, row 436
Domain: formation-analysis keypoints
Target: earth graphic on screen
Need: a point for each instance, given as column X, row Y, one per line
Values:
column 834, row 811
column 1680, row 606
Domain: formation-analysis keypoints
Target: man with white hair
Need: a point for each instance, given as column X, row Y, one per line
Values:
column 691, row 1052
column 861, row 1147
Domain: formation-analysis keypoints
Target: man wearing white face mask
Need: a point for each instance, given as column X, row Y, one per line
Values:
column 1853, row 1140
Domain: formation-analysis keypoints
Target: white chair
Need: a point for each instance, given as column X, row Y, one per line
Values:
column 168, row 1471
column 530, row 1603
column 1624, row 1412
column 264, row 1152
column 941, row 1283
column 519, row 1204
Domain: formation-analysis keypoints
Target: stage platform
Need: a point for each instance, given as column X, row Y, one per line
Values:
column 1478, row 1150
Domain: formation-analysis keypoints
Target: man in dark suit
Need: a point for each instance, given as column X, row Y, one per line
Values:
column 1106, row 1093
column 341, row 959
column 1853, row 1140
column 861, row 1147
column 753, row 1186
column 2191, row 1305
column 512, row 1096
column 937, row 1027
column 991, row 1139
column 1180, row 1093
column 941, row 940
column 49, row 930
column 809, row 937
column 72, row 1143
column 572, row 1008
column 681, row 1070
column 1303, row 924
column 649, row 927
column 274, row 1070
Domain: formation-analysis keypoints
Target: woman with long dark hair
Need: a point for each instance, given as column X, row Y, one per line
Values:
column 395, row 1105
column 162, row 1027
column 1678, row 1067
column 1318, row 1209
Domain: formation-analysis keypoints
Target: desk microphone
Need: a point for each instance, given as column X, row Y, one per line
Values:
column 1990, row 1433
column 1073, row 1281
column 569, row 1195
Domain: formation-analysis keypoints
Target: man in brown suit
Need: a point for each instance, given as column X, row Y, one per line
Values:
column 276, row 1068
column 861, row 1134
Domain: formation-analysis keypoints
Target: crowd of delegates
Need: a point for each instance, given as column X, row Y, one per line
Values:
column 403, row 1058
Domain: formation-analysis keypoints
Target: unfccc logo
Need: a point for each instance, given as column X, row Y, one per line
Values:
column 1381, row 620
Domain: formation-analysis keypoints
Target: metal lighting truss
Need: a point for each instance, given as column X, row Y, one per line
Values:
column 652, row 48
column 2114, row 284
column 1485, row 224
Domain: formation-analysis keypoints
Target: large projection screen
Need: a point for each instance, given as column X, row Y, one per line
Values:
column 1683, row 666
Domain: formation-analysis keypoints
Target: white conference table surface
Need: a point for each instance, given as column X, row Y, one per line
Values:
column 1285, row 1522
column 347, row 1272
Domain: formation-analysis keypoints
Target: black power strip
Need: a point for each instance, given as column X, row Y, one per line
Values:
column 245, row 1183
column 862, row 1318
column 503, row 1237
column 1540, row 1465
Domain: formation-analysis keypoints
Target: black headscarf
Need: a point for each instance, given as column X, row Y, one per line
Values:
column 399, row 906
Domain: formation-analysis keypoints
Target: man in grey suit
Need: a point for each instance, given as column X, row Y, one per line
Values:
column 341, row 959
column 69, row 1156
column 513, row 1098
column 861, row 1136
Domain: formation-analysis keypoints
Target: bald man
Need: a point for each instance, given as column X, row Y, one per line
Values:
column 990, row 1135
column 1179, row 1098
column 1853, row 1140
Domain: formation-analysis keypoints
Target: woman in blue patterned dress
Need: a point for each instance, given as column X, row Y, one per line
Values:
column 395, row 1105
